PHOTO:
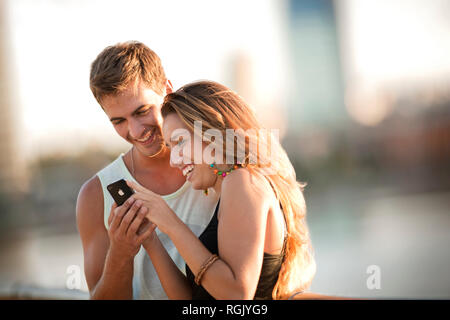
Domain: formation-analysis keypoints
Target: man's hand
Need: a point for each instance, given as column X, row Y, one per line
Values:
column 127, row 228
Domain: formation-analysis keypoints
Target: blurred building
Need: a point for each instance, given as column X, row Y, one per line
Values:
column 315, row 97
column 13, row 172
column 315, row 105
column 398, row 131
column 411, row 146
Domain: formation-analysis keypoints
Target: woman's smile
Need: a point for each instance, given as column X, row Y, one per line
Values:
column 187, row 170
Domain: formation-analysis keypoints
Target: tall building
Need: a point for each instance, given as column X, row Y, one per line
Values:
column 13, row 173
column 316, row 84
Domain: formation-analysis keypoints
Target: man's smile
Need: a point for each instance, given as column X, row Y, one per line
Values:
column 147, row 138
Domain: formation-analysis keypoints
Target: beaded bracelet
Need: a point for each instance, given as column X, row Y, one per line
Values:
column 204, row 267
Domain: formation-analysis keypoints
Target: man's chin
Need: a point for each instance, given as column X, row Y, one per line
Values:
column 152, row 151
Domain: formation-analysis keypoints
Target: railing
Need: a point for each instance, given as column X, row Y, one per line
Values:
column 26, row 292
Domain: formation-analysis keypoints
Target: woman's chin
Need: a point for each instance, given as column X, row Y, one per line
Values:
column 197, row 185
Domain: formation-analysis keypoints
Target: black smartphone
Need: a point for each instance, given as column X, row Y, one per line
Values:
column 120, row 191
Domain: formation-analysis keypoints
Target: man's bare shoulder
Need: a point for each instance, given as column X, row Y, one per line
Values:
column 90, row 201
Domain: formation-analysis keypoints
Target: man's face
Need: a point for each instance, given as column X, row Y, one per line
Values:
column 136, row 116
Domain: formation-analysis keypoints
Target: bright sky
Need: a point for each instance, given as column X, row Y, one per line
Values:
column 397, row 40
column 55, row 41
column 391, row 44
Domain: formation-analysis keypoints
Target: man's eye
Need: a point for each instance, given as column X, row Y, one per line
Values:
column 116, row 122
column 143, row 112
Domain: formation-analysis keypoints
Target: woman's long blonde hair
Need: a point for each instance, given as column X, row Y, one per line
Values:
column 218, row 107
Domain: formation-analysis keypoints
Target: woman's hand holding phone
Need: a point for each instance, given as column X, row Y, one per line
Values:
column 158, row 211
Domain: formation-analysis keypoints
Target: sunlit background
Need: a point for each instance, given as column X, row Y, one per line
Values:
column 360, row 90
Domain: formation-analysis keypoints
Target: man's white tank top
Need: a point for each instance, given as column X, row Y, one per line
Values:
column 191, row 206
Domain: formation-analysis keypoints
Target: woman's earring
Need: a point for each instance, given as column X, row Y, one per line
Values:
column 205, row 192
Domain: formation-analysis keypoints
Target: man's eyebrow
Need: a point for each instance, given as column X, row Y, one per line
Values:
column 115, row 119
column 133, row 113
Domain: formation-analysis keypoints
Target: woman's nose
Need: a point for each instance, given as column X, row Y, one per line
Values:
column 176, row 158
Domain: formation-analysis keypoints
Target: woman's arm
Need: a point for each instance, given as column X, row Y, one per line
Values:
column 225, row 278
column 173, row 281
column 241, row 232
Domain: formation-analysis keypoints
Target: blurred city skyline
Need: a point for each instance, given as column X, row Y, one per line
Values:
column 380, row 52
column 53, row 71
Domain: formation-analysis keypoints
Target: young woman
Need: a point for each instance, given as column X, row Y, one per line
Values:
column 257, row 245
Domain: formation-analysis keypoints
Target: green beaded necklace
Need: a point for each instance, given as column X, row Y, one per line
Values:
column 223, row 173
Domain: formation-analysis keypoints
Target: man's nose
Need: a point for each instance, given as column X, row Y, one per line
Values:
column 135, row 129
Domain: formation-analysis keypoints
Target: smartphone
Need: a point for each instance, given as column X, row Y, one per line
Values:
column 120, row 191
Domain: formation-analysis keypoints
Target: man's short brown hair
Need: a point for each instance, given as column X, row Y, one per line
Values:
column 118, row 66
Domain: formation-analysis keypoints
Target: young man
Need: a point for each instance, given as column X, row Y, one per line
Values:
column 129, row 83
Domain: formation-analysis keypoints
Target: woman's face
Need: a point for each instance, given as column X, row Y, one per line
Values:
column 181, row 142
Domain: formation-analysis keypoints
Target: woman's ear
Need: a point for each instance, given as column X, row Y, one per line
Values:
column 169, row 87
